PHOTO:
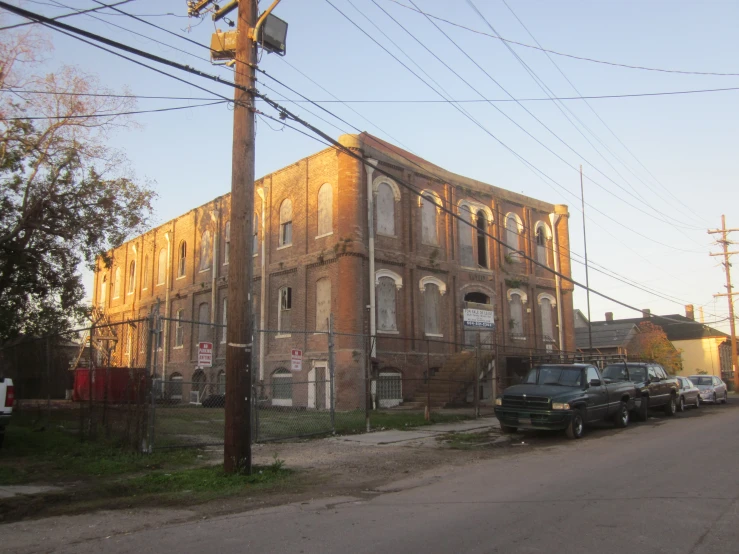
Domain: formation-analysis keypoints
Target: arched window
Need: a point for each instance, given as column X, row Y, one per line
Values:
column 224, row 320
column 175, row 387
column 282, row 388
column 255, row 236
column 221, row 382
column 117, row 283
column 431, row 310
column 179, row 330
column 385, row 210
column 429, row 226
column 206, row 251
column 286, row 223
column 323, row 303
column 227, row 241
column 203, row 322
column 146, row 277
column 284, row 310
column 103, row 291
column 516, row 309
column 542, row 235
column 513, row 228
column 182, row 259
column 547, row 327
column 325, row 210
column 162, row 269
column 482, row 242
column 131, row 277
column 464, row 226
column 386, row 309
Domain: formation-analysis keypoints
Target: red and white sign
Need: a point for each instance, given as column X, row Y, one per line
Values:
column 296, row 358
column 205, row 354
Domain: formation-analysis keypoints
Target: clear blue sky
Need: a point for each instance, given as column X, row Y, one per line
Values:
column 687, row 142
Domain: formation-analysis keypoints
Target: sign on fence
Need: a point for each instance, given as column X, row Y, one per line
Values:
column 478, row 319
column 296, row 359
column 205, row 354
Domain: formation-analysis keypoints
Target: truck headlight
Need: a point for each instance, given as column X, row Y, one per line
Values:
column 498, row 401
column 560, row 406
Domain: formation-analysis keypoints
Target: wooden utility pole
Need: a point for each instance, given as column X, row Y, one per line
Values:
column 725, row 242
column 237, row 446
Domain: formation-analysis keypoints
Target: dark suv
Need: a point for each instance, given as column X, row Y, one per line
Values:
column 654, row 387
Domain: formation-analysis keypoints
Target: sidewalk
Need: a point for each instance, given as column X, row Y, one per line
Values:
column 390, row 437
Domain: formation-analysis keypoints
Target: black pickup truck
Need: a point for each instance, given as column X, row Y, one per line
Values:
column 654, row 388
column 564, row 397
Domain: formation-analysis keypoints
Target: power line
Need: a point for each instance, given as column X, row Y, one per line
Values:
column 556, row 53
column 77, row 12
column 114, row 114
column 103, row 95
column 284, row 112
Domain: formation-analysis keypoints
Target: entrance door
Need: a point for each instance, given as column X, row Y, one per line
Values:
column 319, row 391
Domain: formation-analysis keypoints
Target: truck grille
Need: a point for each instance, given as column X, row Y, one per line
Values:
column 520, row 401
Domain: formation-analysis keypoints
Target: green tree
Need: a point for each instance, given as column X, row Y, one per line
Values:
column 65, row 196
column 651, row 344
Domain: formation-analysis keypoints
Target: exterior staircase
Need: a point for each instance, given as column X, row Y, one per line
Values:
column 449, row 384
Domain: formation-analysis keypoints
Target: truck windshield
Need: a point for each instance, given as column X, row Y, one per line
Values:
column 616, row 372
column 552, row 375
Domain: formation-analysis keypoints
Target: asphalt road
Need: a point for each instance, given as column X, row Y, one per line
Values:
column 668, row 485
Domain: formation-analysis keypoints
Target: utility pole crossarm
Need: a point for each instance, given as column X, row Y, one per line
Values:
column 719, row 231
column 726, row 294
column 724, row 253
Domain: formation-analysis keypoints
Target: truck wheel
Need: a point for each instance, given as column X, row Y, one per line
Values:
column 643, row 413
column 576, row 426
column 671, row 406
column 681, row 404
column 622, row 415
column 507, row 429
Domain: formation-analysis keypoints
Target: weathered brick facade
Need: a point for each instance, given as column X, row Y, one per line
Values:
column 431, row 282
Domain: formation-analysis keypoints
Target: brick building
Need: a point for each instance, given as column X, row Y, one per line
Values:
column 315, row 255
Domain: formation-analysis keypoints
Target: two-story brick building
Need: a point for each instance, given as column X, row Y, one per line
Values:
column 373, row 244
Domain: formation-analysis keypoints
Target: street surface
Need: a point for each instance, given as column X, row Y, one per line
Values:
column 668, row 485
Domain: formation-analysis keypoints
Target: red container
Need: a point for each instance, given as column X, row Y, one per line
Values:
column 123, row 384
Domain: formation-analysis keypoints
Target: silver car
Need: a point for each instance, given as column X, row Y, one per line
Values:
column 689, row 394
column 712, row 388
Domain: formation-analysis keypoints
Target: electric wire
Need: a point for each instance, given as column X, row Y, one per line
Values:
column 77, row 12
column 113, row 114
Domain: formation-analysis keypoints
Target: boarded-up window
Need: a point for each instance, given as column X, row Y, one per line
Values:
column 224, row 320
column 541, row 245
column 206, row 251
column 103, row 290
column 162, row 269
column 386, row 310
column 179, row 331
column 282, row 387
column 131, row 277
column 286, row 223
column 429, row 232
column 466, row 256
column 147, row 268
column 117, row 283
column 385, row 210
column 325, row 209
column 512, row 235
column 182, row 259
column 516, row 322
column 204, row 320
column 255, row 240
column 323, row 304
column 431, row 309
column 482, row 241
column 227, row 241
column 547, row 328
column 285, row 308
column 175, row 387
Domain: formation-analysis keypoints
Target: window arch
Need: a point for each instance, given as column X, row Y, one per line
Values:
column 131, row 276
column 282, row 387
column 162, row 269
column 117, row 283
column 182, row 259
column 482, row 239
column 323, row 303
column 385, row 210
column 543, row 234
column 227, row 242
column 430, row 203
column 146, row 278
column 325, row 210
column 206, row 250
column 286, row 223
column 516, row 299
column 513, row 234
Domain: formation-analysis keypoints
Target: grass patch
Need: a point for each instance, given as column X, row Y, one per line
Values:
column 467, row 441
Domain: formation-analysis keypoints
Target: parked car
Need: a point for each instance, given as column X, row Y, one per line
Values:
column 564, row 397
column 689, row 394
column 7, row 399
column 654, row 388
column 712, row 388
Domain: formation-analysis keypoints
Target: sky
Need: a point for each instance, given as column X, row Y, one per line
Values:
column 659, row 170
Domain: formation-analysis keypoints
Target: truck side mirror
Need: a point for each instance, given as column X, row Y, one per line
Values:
column 595, row 382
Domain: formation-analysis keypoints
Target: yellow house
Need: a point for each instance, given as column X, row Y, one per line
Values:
column 701, row 354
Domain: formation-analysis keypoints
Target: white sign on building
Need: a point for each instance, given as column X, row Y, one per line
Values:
column 205, row 354
column 296, row 360
column 478, row 319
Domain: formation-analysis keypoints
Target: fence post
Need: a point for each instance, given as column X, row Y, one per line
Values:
column 331, row 370
column 152, row 378
column 478, row 347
